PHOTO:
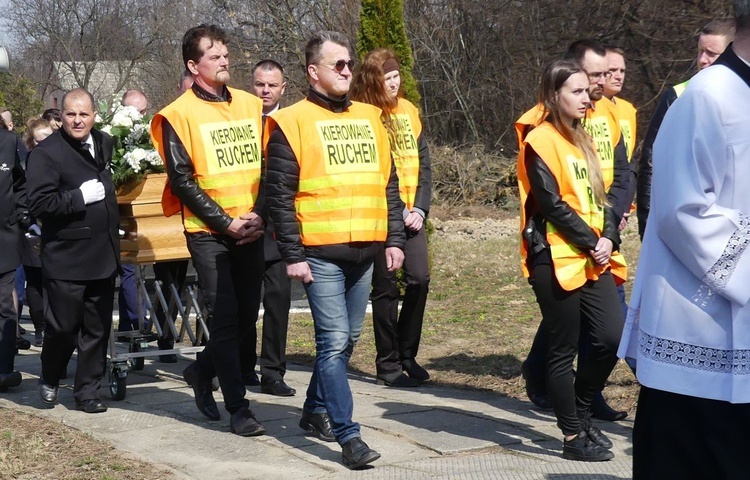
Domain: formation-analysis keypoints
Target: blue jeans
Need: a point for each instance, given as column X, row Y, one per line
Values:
column 338, row 299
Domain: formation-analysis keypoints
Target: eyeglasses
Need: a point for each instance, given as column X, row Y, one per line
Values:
column 597, row 75
column 340, row 65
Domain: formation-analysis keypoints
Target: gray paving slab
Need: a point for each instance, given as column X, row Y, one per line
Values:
column 431, row 432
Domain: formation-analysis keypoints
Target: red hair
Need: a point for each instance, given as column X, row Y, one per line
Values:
column 368, row 84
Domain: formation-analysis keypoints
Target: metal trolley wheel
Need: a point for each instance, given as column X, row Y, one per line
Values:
column 138, row 362
column 118, row 381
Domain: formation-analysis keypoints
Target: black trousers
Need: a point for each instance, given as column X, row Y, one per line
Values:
column 680, row 437
column 397, row 336
column 594, row 309
column 231, row 277
column 8, row 322
column 34, row 296
column 168, row 273
column 277, row 299
column 79, row 315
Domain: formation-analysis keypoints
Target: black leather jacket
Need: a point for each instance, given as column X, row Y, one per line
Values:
column 546, row 205
column 645, row 162
column 282, row 186
column 180, row 171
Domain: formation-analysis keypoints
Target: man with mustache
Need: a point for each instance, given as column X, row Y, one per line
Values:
column 209, row 139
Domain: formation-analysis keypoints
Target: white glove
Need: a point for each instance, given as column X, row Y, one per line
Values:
column 92, row 190
column 34, row 230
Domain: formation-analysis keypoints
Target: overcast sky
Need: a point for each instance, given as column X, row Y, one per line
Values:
column 4, row 36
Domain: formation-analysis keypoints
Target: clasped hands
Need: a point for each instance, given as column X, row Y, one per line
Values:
column 603, row 251
column 248, row 228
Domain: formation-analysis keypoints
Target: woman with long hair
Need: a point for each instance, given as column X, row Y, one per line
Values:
column 397, row 336
column 569, row 242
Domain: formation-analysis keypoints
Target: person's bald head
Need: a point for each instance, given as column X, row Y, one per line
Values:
column 135, row 98
column 79, row 113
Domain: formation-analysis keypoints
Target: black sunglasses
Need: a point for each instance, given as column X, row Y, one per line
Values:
column 340, row 64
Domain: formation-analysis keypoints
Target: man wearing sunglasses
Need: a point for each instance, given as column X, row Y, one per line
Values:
column 333, row 197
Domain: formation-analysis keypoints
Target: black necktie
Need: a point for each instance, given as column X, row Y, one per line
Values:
column 86, row 152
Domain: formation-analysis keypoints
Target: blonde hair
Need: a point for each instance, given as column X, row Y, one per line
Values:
column 553, row 78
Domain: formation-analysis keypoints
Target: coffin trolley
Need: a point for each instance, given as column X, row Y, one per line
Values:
column 150, row 237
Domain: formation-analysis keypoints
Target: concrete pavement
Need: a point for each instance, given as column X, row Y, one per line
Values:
column 431, row 432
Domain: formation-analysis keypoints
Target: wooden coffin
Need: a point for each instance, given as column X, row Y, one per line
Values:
column 150, row 236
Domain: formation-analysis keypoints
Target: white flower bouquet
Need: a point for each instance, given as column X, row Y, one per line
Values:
column 133, row 156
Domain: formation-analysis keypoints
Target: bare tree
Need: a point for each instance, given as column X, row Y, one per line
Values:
column 279, row 30
column 105, row 46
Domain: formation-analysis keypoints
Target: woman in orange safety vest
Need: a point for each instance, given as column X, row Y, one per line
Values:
column 397, row 336
column 569, row 242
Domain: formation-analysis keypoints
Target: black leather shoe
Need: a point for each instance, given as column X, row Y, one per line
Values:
column 12, row 379
column 592, row 431
column 91, row 406
column 204, row 399
column 597, row 436
column 414, row 370
column 244, row 424
column 169, row 358
column 602, row 411
column 47, row 392
column 357, row 454
column 537, row 397
column 582, row 449
column 251, row 379
column 22, row 343
column 317, row 424
column 166, row 344
column 398, row 380
column 278, row 388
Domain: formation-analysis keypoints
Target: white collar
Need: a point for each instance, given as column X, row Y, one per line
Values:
column 276, row 109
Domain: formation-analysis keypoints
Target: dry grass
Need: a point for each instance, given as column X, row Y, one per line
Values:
column 37, row 448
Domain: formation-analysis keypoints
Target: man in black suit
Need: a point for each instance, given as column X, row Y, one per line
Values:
column 269, row 86
column 71, row 191
column 13, row 214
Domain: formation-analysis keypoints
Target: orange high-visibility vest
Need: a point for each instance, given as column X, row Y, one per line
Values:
column 406, row 130
column 573, row 267
column 530, row 119
column 344, row 166
column 223, row 140
column 602, row 124
column 626, row 113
